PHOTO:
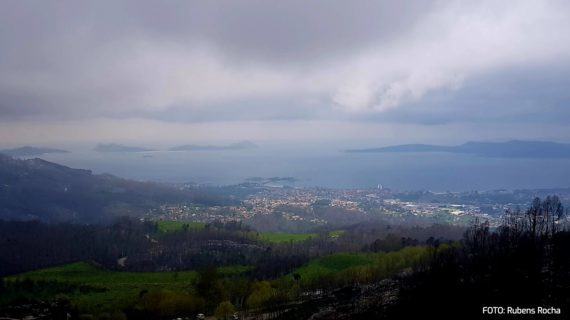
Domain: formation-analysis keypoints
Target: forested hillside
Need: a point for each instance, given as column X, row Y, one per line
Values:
column 36, row 189
column 150, row 270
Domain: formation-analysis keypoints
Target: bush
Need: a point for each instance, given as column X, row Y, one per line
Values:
column 224, row 310
column 170, row 304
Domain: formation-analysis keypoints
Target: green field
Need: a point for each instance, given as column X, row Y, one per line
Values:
column 174, row 226
column 342, row 266
column 278, row 237
column 121, row 288
column 336, row 234
column 282, row 237
column 336, row 262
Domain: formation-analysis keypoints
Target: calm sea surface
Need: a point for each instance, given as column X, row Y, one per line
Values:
column 403, row 171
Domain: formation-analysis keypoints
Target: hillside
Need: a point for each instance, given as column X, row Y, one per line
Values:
column 28, row 151
column 37, row 189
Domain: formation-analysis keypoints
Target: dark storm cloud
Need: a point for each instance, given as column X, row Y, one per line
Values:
column 288, row 31
column 397, row 61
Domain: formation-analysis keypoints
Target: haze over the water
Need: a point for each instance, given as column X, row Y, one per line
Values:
column 331, row 168
column 307, row 80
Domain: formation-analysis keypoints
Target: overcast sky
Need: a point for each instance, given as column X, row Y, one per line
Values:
column 353, row 71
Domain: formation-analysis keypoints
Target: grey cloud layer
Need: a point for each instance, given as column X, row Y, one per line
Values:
column 234, row 60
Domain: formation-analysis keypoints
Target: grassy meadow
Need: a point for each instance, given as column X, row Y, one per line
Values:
column 167, row 226
column 280, row 237
column 117, row 289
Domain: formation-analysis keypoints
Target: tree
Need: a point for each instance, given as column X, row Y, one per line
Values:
column 224, row 310
column 210, row 287
column 166, row 303
column 540, row 221
column 261, row 295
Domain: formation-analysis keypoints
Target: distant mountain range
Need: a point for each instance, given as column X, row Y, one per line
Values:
column 509, row 149
column 234, row 146
column 28, row 151
column 112, row 147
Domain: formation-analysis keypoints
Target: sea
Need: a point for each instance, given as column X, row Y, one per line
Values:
column 329, row 168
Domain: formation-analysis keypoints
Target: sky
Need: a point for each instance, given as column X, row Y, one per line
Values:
column 356, row 73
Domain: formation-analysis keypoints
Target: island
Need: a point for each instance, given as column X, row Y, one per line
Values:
column 234, row 146
column 112, row 147
column 509, row 149
column 28, row 151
